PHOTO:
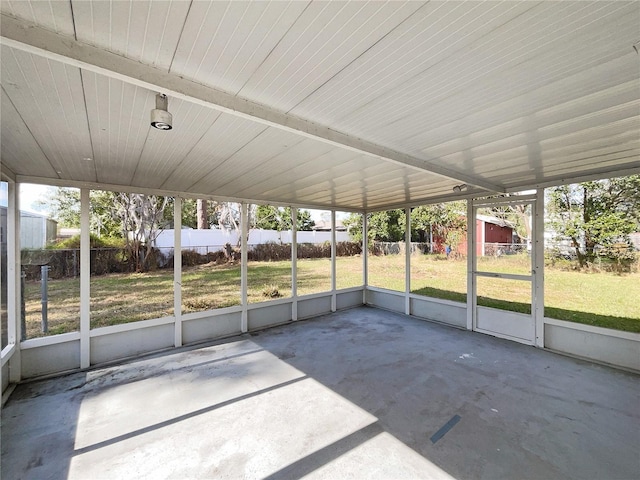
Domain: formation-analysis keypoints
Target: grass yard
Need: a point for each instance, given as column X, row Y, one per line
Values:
column 601, row 299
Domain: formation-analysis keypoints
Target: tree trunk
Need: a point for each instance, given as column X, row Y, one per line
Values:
column 203, row 221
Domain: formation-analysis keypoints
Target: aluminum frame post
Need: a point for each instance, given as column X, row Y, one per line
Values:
column 294, row 263
column 85, row 281
column 177, row 270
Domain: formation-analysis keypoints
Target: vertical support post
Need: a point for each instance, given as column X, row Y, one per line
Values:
column 365, row 256
column 14, row 280
column 44, row 296
column 407, row 261
column 85, row 281
column 177, row 270
column 294, row 263
column 471, row 261
column 333, row 261
column 538, row 266
column 244, row 227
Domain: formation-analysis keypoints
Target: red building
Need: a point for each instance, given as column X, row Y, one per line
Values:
column 493, row 234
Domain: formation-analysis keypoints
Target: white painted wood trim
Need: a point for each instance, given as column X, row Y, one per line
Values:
column 85, row 280
column 22, row 35
column 177, row 270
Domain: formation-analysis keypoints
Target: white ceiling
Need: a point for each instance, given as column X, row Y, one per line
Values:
column 347, row 105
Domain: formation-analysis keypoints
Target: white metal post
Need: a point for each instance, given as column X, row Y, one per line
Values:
column 471, row 256
column 294, row 263
column 407, row 262
column 244, row 225
column 14, row 280
column 333, row 261
column 365, row 256
column 85, row 281
column 177, row 270
column 538, row 266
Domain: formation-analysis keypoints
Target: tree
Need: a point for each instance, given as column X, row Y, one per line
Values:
column 387, row 226
column 441, row 220
column 444, row 220
column 203, row 219
column 596, row 214
column 269, row 217
column 141, row 217
column 64, row 206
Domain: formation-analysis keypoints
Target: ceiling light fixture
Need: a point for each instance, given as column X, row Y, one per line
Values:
column 460, row 188
column 160, row 117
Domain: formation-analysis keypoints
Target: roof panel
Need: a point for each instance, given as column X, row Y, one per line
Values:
column 326, row 38
column 18, row 149
column 512, row 93
column 146, row 31
column 51, row 14
column 48, row 96
column 165, row 149
column 223, row 43
column 428, row 38
column 226, row 136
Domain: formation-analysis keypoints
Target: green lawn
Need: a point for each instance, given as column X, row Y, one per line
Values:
column 601, row 299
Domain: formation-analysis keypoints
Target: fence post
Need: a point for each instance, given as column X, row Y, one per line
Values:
column 44, row 296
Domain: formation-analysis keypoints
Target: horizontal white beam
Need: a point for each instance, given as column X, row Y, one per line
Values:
column 588, row 176
column 6, row 173
column 482, row 202
column 28, row 37
column 57, row 182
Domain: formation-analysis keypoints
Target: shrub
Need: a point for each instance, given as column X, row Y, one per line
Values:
column 271, row 291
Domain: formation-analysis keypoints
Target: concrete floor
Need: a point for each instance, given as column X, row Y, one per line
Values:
column 358, row 394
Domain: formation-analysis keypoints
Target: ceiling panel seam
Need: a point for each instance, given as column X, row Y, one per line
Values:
column 195, row 144
column 86, row 114
column 175, row 51
column 429, row 67
column 227, row 159
column 144, row 145
column 444, row 84
column 73, row 20
column 357, row 57
column 249, row 77
column 30, row 132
